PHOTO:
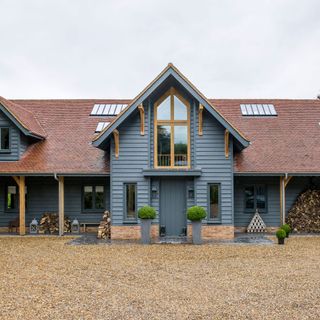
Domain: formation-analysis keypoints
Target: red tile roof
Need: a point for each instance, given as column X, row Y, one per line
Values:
column 287, row 143
column 67, row 147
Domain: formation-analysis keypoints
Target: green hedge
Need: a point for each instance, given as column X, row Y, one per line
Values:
column 286, row 228
column 281, row 234
column 196, row 213
column 147, row 212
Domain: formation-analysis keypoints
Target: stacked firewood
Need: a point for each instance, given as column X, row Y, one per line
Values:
column 304, row 216
column 49, row 223
column 104, row 230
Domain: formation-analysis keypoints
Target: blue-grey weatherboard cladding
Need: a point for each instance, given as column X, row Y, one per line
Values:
column 42, row 196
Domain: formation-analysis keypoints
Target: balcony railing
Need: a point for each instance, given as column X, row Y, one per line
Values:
column 180, row 160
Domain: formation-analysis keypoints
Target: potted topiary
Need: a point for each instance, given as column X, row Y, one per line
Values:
column 287, row 229
column 195, row 215
column 281, row 234
column 146, row 214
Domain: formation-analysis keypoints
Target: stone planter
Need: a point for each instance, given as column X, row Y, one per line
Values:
column 280, row 240
column 196, row 232
column 145, row 230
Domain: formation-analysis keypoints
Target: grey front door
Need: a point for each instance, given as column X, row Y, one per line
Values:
column 173, row 221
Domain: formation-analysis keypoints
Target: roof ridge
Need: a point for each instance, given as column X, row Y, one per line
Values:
column 71, row 99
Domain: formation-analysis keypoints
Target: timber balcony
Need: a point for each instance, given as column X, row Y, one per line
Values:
column 180, row 160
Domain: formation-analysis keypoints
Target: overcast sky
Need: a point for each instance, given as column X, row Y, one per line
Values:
column 113, row 49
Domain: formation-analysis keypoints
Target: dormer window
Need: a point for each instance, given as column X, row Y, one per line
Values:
column 5, row 139
column 172, row 131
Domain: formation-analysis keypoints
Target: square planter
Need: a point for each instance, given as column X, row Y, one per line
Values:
column 196, row 232
column 145, row 230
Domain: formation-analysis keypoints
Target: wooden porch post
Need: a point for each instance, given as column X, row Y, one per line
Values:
column 22, row 206
column 283, row 184
column 61, row 206
column 282, row 201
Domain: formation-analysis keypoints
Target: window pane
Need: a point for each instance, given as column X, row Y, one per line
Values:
column 88, row 197
column 11, row 197
column 164, row 110
column 214, row 201
column 249, row 197
column 180, row 110
column 4, row 138
column 99, row 197
column 180, row 146
column 164, row 134
column 130, row 201
column 261, row 197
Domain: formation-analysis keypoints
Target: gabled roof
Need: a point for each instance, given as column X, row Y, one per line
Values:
column 170, row 70
column 22, row 118
column 287, row 143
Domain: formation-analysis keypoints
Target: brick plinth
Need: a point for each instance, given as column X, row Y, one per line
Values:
column 214, row 232
column 208, row 232
column 131, row 232
column 244, row 229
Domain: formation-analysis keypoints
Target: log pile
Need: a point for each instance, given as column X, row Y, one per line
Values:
column 104, row 229
column 49, row 223
column 304, row 216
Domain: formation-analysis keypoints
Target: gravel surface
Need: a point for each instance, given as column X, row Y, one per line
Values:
column 42, row 278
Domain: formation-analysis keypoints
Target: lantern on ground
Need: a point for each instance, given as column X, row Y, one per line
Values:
column 34, row 227
column 75, row 226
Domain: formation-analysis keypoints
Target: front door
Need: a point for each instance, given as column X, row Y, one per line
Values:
column 173, row 221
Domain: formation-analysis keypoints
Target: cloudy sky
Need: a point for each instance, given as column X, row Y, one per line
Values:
column 113, row 48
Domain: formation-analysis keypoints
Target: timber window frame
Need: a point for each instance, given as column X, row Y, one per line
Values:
column 211, row 219
column 172, row 123
column 127, row 188
column 256, row 193
column 15, row 209
column 94, row 198
column 3, row 143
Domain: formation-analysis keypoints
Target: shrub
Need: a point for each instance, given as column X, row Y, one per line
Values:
column 196, row 213
column 147, row 212
column 281, row 234
column 286, row 228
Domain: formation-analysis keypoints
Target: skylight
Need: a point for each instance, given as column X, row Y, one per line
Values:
column 107, row 109
column 101, row 126
column 261, row 110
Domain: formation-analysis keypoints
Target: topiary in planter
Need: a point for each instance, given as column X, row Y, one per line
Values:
column 287, row 229
column 281, row 235
column 147, row 212
column 196, row 213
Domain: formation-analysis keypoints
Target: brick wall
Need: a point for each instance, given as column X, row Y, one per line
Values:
column 214, row 232
column 244, row 229
column 208, row 232
column 131, row 232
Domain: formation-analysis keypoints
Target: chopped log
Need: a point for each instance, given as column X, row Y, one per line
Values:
column 304, row 216
column 49, row 223
column 104, row 229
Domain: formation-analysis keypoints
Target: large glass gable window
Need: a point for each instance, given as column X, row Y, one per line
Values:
column 172, row 131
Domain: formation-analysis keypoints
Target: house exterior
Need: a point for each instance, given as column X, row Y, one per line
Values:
column 170, row 148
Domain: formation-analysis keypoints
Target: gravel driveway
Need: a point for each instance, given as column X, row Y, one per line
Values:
column 42, row 278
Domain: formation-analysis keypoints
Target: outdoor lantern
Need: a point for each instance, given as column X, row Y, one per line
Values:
column 34, row 228
column 75, row 226
column 154, row 192
column 191, row 193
